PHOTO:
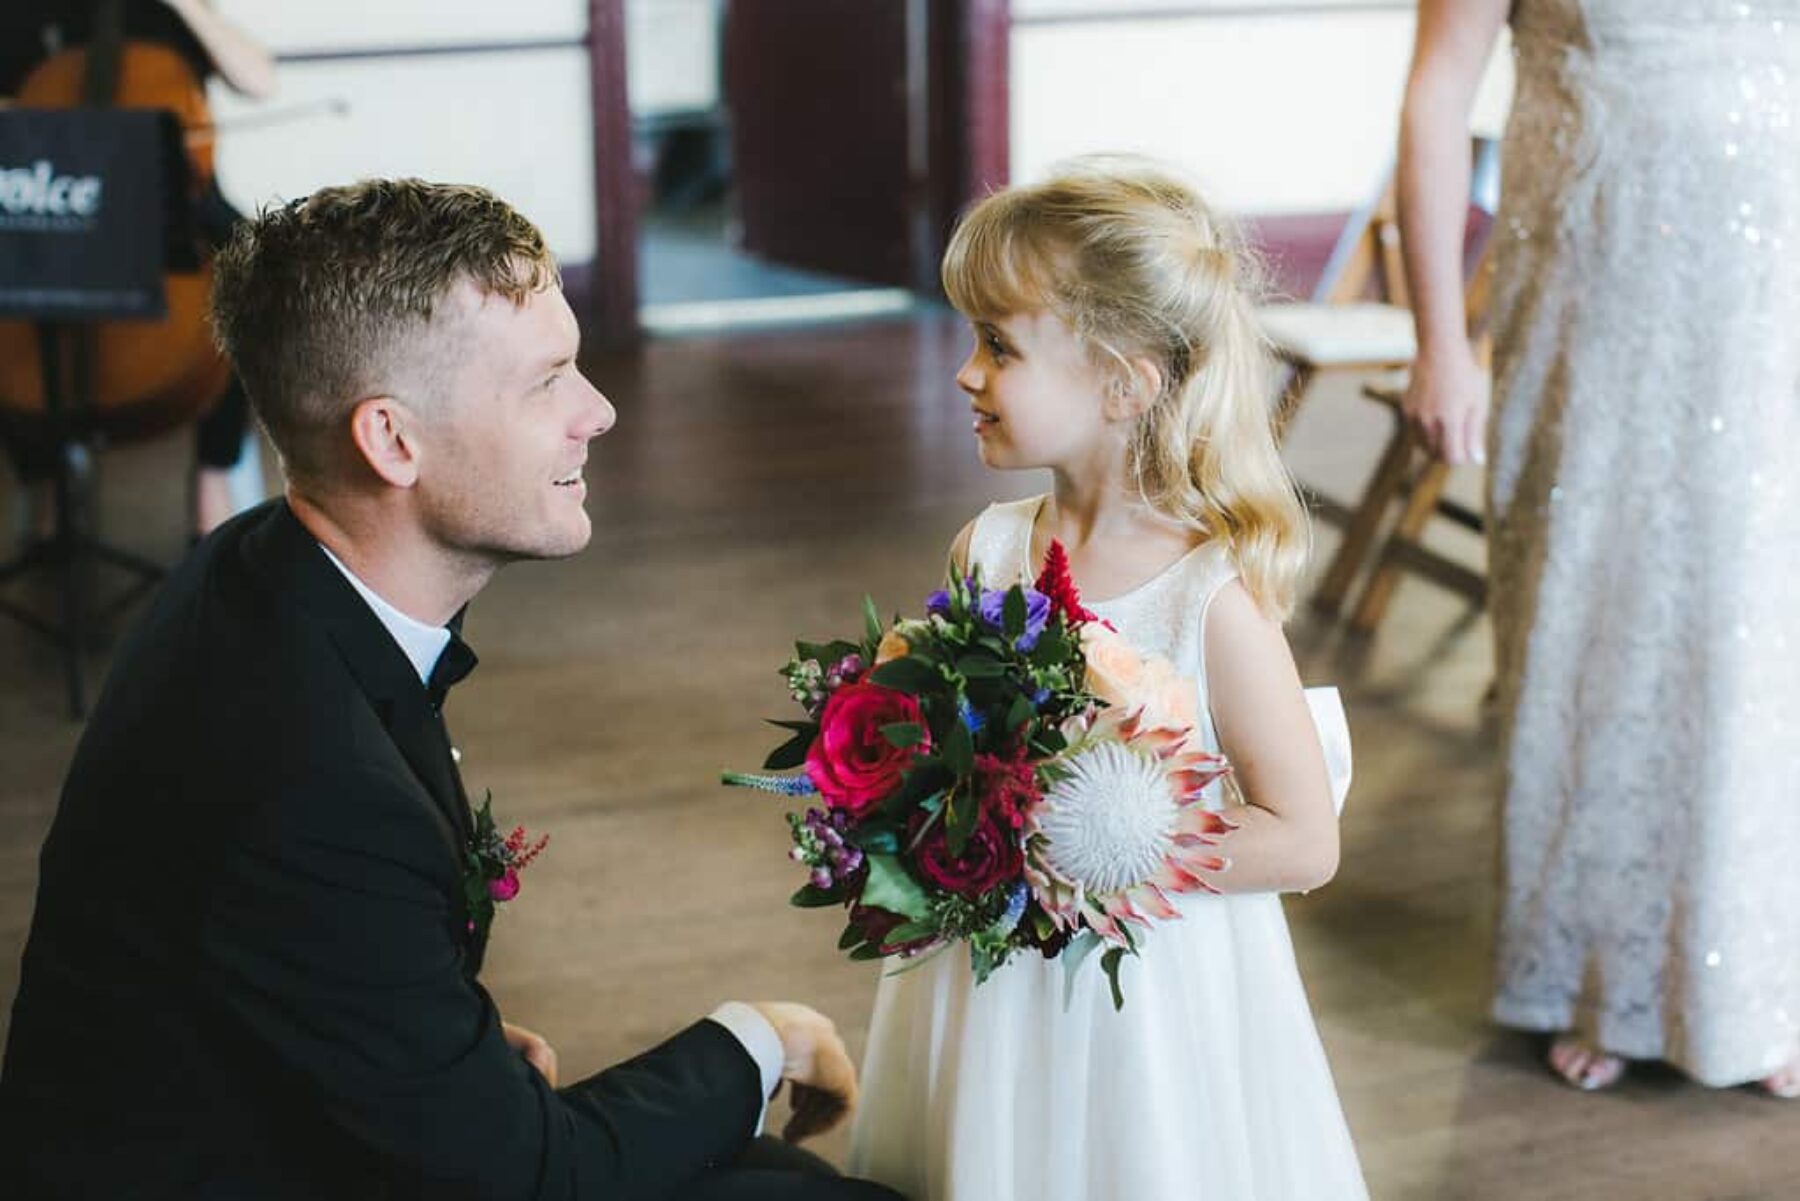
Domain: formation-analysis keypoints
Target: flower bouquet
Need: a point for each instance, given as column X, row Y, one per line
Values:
column 1005, row 772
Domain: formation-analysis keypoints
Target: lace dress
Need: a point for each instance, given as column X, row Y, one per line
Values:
column 1645, row 554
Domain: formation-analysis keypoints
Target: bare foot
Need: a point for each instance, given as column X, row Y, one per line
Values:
column 1583, row 1065
column 1785, row 1081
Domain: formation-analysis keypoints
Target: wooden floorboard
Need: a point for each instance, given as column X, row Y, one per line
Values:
column 755, row 488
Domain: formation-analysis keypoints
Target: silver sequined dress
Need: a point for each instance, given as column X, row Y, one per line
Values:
column 1645, row 552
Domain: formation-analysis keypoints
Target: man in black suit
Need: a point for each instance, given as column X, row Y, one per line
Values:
column 251, row 968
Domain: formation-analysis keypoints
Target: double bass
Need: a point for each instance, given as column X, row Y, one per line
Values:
column 145, row 376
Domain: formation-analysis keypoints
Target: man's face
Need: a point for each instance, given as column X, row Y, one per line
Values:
column 503, row 446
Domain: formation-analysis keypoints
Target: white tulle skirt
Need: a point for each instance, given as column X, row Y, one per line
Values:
column 1210, row 1084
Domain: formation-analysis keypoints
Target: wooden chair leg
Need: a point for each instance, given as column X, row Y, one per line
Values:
column 1427, row 487
column 1365, row 522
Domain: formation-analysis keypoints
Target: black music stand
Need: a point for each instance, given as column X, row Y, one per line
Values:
column 89, row 199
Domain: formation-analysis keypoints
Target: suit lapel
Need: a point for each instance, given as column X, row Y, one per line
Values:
column 298, row 569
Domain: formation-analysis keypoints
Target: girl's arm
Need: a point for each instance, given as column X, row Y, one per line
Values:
column 241, row 60
column 1287, row 836
column 1447, row 400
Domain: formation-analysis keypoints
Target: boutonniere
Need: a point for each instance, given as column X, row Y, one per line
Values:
column 491, row 866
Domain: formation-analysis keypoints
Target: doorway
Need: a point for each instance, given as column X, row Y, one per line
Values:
column 792, row 161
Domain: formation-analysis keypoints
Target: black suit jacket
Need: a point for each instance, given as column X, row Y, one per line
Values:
column 248, row 972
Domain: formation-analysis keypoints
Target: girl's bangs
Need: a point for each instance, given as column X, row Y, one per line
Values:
column 995, row 266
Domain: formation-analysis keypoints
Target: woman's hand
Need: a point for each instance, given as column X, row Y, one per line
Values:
column 1447, row 405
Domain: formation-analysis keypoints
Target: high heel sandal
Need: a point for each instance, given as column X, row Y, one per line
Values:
column 1584, row 1066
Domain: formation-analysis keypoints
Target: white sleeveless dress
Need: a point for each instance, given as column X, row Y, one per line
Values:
column 1210, row 1084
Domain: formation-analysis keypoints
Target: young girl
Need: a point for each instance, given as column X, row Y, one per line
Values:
column 1115, row 345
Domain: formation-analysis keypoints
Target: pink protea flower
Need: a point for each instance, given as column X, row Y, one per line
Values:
column 1122, row 828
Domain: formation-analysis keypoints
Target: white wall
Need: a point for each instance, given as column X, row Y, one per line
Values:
column 672, row 52
column 1271, row 113
column 518, row 122
column 300, row 25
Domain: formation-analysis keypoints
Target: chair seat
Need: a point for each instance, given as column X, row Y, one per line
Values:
column 1340, row 335
column 1389, row 388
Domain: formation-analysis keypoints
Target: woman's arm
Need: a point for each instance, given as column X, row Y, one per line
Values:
column 241, row 61
column 1447, row 400
column 1287, row 835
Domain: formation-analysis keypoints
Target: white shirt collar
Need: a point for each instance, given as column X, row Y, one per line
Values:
column 421, row 643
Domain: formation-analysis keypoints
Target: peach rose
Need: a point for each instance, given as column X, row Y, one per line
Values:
column 1169, row 701
column 893, row 646
column 1115, row 671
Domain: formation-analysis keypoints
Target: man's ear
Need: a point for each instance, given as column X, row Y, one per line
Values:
column 1134, row 390
column 386, row 436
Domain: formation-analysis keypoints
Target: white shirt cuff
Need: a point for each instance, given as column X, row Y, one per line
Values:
column 759, row 1039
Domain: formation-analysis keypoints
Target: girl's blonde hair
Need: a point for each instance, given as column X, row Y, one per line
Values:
column 1130, row 257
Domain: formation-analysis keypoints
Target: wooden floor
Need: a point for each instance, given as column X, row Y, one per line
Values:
column 754, row 489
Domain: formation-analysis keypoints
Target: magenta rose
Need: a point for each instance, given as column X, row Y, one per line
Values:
column 990, row 858
column 854, row 766
column 506, row 887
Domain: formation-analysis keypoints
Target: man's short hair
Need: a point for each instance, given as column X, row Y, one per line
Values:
column 324, row 302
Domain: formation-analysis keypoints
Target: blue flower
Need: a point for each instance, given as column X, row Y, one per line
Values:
column 992, row 608
column 1015, row 909
column 971, row 717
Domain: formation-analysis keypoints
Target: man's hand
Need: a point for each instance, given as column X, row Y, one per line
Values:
column 536, row 1050
column 816, row 1066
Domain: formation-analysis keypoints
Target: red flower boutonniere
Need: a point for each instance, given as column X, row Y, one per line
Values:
column 491, row 866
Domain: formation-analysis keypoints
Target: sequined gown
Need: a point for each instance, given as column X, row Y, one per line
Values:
column 1645, row 546
column 1210, row 1084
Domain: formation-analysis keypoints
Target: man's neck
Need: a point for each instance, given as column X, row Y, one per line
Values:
column 394, row 559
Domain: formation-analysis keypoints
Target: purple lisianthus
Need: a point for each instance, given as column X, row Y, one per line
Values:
column 992, row 608
column 939, row 602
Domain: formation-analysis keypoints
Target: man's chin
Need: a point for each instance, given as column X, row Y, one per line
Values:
column 538, row 549
column 567, row 542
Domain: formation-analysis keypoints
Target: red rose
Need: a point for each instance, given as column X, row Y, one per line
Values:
column 854, row 766
column 991, row 857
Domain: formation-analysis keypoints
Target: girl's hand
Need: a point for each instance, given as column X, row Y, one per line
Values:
column 1447, row 405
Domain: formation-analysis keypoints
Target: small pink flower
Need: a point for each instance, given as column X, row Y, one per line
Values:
column 506, row 887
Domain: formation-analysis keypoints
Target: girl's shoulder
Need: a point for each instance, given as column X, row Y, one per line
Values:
column 998, row 539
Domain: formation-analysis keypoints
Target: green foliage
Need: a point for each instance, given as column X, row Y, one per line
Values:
column 810, row 896
column 889, row 886
column 909, row 674
column 903, row 734
column 826, row 654
column 1110, row 963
